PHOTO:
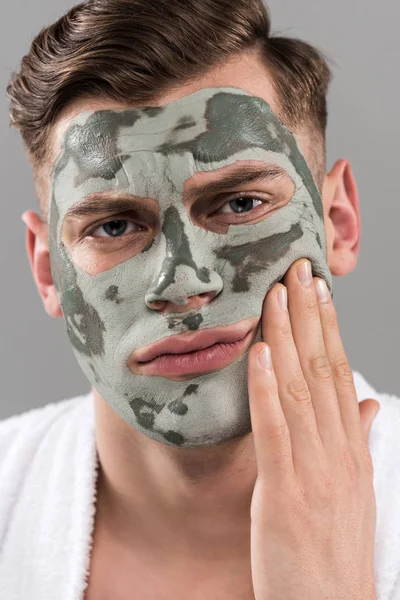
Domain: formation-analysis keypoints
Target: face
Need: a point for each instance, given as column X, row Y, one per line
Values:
column 201, row 205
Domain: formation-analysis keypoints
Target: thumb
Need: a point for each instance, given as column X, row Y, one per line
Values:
column 368, row 411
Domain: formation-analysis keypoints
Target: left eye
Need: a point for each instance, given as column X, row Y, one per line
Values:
column 240, row 205
column 115, row 228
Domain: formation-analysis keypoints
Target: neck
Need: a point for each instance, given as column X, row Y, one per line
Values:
column 186, row 502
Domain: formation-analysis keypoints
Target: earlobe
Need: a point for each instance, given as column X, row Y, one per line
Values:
column 37, row 247
column 342, row 218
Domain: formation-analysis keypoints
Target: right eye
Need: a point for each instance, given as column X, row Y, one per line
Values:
column 116, row 228
column 241, row 204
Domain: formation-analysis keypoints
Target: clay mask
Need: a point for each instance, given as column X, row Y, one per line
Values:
column 150, row 152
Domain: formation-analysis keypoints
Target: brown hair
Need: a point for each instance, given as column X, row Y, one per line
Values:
column 133, row 50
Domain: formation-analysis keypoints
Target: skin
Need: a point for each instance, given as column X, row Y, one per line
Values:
column 189, row 519
column 313, row 461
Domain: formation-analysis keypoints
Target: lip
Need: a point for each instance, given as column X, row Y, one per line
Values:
column 194, row 353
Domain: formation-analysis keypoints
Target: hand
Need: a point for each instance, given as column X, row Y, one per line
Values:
column 313, row 510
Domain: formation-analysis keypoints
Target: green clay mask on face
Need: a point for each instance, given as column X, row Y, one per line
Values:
column 151, row 153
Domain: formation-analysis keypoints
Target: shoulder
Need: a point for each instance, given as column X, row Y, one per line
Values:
column 384, row 445
column 384, row 438
column 47, row 489
column 36, row 423
column 31, row 443
column 390, row 403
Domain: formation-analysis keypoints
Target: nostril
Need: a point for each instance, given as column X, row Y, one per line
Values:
column 156, row 304
column 208, row 295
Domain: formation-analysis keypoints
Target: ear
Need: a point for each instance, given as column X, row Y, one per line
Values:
column 37, row 246
column 342, row 218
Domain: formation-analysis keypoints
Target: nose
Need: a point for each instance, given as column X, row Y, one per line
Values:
column 182, row 283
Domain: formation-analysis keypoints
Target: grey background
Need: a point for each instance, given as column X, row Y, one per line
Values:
column 36, row 361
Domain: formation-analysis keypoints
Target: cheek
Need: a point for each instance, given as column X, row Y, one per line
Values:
column 97, row 256
column 84, row 325
column 249, row 260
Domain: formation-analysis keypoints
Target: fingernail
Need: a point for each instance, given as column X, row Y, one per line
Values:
column 304, row 273
column 322, row 291
column 282, row 298
column 264, row 358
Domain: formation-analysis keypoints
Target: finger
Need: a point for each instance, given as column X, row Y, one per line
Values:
column 340, row 367
column 293, row 391
column 369, row 409
column 308, row 336
column 270, row 431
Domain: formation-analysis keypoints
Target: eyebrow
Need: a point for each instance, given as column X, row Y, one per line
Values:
column 242, row 176
column 99, row 203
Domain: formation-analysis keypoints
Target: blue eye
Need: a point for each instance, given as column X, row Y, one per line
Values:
column 240, row 205
column 115, row 228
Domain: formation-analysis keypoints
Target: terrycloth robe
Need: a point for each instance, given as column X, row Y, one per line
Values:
column 48, row 474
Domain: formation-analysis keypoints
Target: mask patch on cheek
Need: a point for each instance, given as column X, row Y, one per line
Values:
column 255, row 257
column 112, row 294
column 53, row 245
column 84, row 325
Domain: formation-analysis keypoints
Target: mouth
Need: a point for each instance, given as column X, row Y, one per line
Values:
column 185, row 355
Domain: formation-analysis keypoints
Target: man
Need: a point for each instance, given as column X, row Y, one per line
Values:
column 178, row 153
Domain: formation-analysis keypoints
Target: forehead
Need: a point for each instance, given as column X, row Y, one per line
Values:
column 211, row 125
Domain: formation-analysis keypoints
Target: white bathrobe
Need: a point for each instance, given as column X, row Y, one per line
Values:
column 48, row 469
